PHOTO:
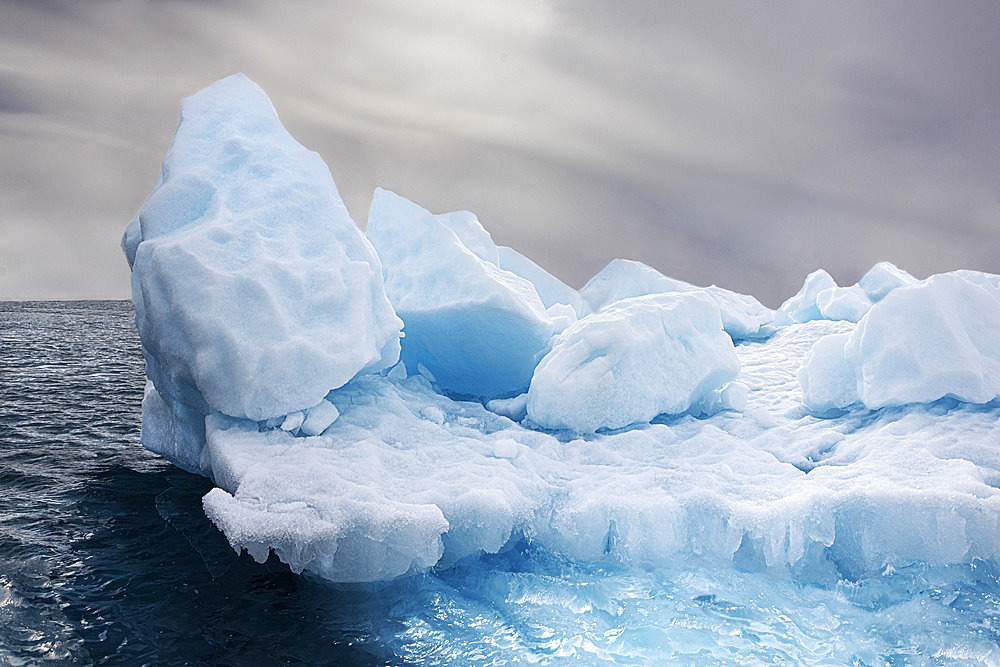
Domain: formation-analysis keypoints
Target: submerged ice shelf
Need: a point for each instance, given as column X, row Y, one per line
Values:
column 642, row 420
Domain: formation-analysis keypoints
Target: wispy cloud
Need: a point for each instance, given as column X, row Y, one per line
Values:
column 742, row 144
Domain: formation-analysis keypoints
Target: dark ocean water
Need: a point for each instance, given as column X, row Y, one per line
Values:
column 105, row 554
column 107, row 558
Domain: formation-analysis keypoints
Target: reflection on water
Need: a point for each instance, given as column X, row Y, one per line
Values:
column 106, row 557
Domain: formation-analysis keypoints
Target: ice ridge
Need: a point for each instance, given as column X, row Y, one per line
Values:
column 640, row 420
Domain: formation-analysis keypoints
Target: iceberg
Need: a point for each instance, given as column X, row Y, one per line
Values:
column 403, row 478
column 631, row 361
column 803, row 307
column 615, row 425
column 174, row 431
column 918, row 344
column 843, row 303
column 255, row 293
column 477, row 328
column 552, row 291
column 743, row 316
column 882, row 278
column 821, row 297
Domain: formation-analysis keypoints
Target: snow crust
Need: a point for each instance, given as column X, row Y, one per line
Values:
column 618, row 424
column 743, row 316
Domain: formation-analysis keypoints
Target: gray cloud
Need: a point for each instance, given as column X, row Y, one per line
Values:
column 742, row 144
column 16, row 95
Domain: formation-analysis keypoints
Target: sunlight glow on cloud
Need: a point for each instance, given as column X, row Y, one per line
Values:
column 740, row 144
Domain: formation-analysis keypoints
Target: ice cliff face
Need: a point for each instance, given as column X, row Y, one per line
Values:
column 255, row 292
column 478, row 329
column 853, row 429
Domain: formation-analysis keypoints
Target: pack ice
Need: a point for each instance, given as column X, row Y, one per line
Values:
column 851, row 431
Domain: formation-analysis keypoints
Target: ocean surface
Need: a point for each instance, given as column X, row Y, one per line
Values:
column 107, row 558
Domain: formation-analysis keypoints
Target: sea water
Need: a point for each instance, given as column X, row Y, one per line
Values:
column 107, row 558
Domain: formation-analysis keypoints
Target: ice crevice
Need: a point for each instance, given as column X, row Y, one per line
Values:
column 375, row 405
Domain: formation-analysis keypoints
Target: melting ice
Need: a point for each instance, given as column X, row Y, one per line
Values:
column 376, row 405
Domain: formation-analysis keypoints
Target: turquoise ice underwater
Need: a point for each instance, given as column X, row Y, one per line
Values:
column 639, row 470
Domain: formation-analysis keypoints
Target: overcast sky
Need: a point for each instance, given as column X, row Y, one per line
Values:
column 741, row 144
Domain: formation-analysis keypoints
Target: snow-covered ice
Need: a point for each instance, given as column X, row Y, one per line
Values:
column 920, row 343
column 618, row 425
column 631, row 361
column 552, row 291
column 802, row 307
column 407, row 479
column 820, row 298
column 843, row 303
column 882, row 279
column 743, row 316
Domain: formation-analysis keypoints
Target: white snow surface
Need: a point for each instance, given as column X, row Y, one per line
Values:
column 255, row 292
column 937, row 338
column 407, row 479
column 743, row 316
column 636, row 359
column 477, row 328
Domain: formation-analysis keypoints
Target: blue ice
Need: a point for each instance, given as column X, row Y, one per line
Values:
column 579, row 469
